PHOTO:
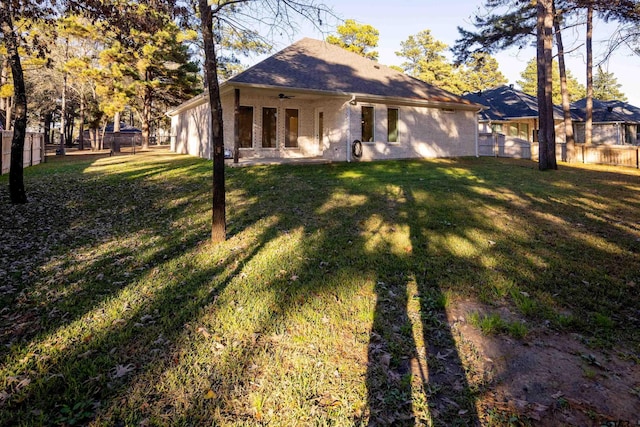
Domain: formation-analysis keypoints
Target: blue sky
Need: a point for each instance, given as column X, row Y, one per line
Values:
column 397, row 20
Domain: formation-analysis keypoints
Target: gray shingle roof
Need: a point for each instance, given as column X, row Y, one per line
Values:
column 607, row 111
column 319, row 66
column 506, row 103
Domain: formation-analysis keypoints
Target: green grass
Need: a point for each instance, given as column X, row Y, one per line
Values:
column 492, row 324
column 326, row 305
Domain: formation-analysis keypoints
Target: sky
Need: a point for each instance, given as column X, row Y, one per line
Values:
column 397, row 20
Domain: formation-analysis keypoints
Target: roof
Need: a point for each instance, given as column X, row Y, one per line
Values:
column 316, row 66
column 506, row 103
column 607, row 111
column 124, row 128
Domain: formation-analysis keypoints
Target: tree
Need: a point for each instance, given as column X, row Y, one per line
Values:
column 28, row 11
column 425, row 60
column 515, row 21
column 564, row 87
column 146, row 62
column 606, row 87
column 588, row 127
column 218, row 217
column 480, row 73
column 163, row 73
column 358, row 38
column 544, row 44
column 221, row 11
column 529, row 82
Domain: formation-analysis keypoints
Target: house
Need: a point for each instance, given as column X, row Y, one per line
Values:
column 509, row 123
column 513, row 113
column 128, row 136
column 614, row 122
column 314, row 100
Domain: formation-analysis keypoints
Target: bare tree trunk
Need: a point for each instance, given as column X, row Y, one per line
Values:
column 146, row 117
column 588, row 129
column 546, row 134
column 115, row 141
column 9, row 113
column 81, row 126
column 48, row 118
column 5, row 103
column 68, row 131
column 564, row 89
column 16, row 172
column 218, row 225
column 93, row 136
column 63, row 113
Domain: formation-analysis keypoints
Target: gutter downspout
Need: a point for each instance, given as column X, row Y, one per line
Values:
column 348, row 104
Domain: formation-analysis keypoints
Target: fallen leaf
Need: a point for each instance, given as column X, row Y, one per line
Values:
column 25, row 382
column 122, row 370
column 329, row 400
column 86, row 354
column 204, row 332
column 385, row 360
column 443, row 356
column 210, row 394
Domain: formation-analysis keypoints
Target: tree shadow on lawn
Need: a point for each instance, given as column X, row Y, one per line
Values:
column 410, row 232
column 77, row 238
column 394, row 239
column 94, row 316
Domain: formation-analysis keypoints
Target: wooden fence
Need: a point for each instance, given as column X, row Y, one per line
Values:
column 498, row 145
column 616, row 155
column 33, row 153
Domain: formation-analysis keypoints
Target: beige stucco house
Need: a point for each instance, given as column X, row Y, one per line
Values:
column 614, row 122
column 314, row 99
column 509, row 123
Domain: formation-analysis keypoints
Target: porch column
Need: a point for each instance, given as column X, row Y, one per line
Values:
column 236, row 126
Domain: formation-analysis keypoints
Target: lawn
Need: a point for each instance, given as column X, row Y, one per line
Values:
column 380, row 293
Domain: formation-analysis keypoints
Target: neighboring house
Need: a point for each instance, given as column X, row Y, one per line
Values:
column 509, row 123
column 128, row 136
column 513, row 113
column 314, row 99
column 614, row 122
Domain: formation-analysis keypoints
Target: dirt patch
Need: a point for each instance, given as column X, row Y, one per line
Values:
column 549, row 378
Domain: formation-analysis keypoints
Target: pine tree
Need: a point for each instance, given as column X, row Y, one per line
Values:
column 606, row 87
column 529, row 83
column 358, row 38
column 425, row 60
column 480, row 73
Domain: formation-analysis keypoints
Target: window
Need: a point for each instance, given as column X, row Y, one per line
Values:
column 496, row 127
column 367, row 124
column 629, row 133
column 291, row 128
column 245, row 127
column 524, row 131
column 269, row 129
column 392, row 124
